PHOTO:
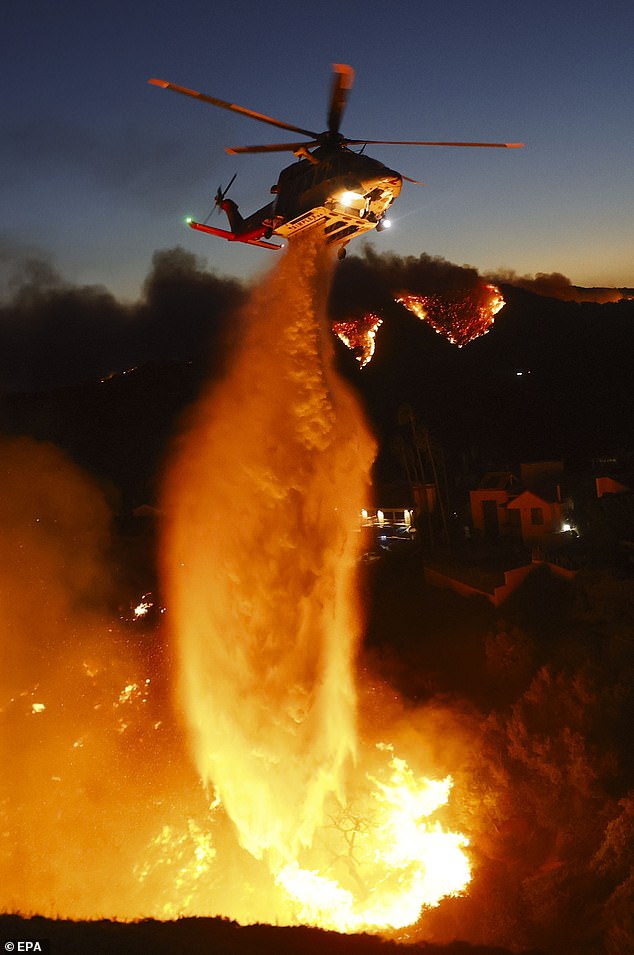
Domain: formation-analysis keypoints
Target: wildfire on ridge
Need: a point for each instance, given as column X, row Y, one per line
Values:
column 460, row 316
column 360, row 336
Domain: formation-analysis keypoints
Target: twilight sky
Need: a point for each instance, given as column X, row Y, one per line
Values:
column 98, row 169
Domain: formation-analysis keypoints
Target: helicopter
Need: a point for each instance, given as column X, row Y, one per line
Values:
column 330, row 187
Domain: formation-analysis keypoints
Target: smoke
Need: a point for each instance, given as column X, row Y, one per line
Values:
column 92, row 763
column 54, row 531
column 54, row 587
column 556, row 285
column 371, row 281
column 54, row 333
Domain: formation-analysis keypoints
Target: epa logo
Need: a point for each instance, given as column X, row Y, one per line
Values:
column 23, row 947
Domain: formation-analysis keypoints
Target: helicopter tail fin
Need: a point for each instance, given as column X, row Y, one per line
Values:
column 230, row 208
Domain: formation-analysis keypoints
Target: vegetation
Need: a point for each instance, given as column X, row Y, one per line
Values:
column 545, row 690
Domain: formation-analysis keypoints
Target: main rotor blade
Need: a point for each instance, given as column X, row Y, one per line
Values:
column 409, row 142
column 233, row 107
column 270, row 148
column 341, row 82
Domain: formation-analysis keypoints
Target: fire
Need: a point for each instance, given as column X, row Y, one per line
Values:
column 185, row 857
column 459, row 316
column 267, row 798
column 143, row 608
column 360, row 336
column 398, row 860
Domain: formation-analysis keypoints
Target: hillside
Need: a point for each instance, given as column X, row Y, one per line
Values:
column 573, row 399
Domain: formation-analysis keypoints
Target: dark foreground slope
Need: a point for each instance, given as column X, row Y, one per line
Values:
column 204, row 936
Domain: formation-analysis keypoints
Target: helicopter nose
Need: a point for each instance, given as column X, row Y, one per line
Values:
column 386, row 186
column 394, row 182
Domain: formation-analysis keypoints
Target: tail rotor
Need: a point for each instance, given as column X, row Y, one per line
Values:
column 221, row 193
column 219, row 198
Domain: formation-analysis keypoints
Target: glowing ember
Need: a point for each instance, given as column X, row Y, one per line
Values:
column 360, row 336
column 459, row 316
column 184, row 857
column 143, row 608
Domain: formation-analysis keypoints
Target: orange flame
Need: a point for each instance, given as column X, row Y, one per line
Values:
column 459, row 316
column 401, row 861
column 360, row 336
column 298, row 818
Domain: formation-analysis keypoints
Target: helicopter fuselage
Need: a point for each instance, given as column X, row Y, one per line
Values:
column 340, row 192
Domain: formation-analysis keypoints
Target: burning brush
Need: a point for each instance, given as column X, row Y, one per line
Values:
column 459, row 316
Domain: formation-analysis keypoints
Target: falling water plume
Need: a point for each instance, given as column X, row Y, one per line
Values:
column 260, row 558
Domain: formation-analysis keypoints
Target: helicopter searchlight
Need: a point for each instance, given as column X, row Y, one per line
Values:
column 329, row 187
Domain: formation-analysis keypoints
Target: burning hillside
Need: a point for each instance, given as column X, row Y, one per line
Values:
column 459, row 316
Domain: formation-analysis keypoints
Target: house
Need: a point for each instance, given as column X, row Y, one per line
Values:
column 537, row 516
column 609, row 485
column 489, row 502
column 531, row 508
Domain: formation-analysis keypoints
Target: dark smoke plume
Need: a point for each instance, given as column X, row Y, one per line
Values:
column 53, row 333
column 556, row 285
column 370, row 282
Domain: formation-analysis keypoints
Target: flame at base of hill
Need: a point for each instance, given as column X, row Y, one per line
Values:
column 383, row 858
